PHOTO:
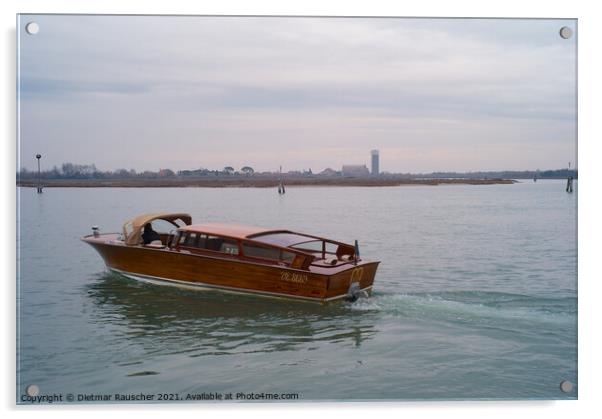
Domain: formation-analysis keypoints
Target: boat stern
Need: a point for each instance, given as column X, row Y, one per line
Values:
column 352, row 283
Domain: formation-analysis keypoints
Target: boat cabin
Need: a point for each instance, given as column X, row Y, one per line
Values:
column 242, row 242
column 253, row 244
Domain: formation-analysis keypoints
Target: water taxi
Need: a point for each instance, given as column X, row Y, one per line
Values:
column 236, row 258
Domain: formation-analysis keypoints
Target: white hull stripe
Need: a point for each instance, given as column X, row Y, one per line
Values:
column 202, row 285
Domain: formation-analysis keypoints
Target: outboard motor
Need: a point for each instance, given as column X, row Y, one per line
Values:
column 354, row 292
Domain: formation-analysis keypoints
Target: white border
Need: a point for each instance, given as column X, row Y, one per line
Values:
column 589, row 207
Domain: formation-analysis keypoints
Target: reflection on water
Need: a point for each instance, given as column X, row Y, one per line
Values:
column 217, row 323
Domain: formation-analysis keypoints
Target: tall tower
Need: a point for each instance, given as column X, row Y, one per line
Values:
column 375, row 170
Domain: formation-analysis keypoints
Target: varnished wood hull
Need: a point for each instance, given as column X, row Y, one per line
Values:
column 229, row 274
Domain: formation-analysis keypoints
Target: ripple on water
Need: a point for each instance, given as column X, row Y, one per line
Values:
column 488, row 307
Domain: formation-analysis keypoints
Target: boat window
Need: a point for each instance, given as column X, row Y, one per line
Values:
column 162, row 226
column 182, row 238
column 214, row 243
column 191, row 240
column 230, row 247
column 264, row 252
column 256, row 251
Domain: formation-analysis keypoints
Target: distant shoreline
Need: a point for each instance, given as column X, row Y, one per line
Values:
column 251, row 182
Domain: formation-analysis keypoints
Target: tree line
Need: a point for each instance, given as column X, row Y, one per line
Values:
column 89, row 171
column 509, row 174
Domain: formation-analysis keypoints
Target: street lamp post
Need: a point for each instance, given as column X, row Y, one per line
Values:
column 39, row 156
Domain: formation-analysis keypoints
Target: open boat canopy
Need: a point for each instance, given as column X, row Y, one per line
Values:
column 132, row 229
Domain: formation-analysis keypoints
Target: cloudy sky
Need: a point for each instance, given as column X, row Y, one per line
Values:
column 189, row 92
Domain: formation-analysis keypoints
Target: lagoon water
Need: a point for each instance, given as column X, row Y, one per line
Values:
column 475, row 298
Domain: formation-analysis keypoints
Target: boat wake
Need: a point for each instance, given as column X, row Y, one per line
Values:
column 479, row 307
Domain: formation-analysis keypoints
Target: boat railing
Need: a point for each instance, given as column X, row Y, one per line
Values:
column 323, row 249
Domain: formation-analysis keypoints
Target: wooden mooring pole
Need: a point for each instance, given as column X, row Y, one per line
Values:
column 39, row 156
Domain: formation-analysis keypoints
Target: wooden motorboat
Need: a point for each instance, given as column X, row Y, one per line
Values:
column 237, row 258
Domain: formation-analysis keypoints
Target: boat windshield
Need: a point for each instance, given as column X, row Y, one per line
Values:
column 319, row 248
column 284, row 239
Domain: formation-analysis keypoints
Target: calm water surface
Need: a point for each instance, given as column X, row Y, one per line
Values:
column 475, row 297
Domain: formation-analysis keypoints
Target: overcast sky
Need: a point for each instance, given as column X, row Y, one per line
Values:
column 189, row 92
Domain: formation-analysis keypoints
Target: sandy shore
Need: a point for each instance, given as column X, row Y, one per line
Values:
column 251, row 182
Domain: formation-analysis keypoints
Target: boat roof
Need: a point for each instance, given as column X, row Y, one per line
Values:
column 132, row 228
column 239, row 231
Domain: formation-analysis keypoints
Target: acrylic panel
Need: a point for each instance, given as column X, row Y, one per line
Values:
column 295, row 209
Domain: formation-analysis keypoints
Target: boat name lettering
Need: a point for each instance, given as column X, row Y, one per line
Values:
column 293, row 277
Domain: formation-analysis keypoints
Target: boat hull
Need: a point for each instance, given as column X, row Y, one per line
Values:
column 230, row 274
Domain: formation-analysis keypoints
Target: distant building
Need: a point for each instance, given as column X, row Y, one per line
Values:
column 355, row 170
column 166, row 173
column 375, row 168
column 328, row 172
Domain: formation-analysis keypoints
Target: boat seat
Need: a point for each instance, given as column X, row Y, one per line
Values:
column 326, row 262
column 156, row 243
